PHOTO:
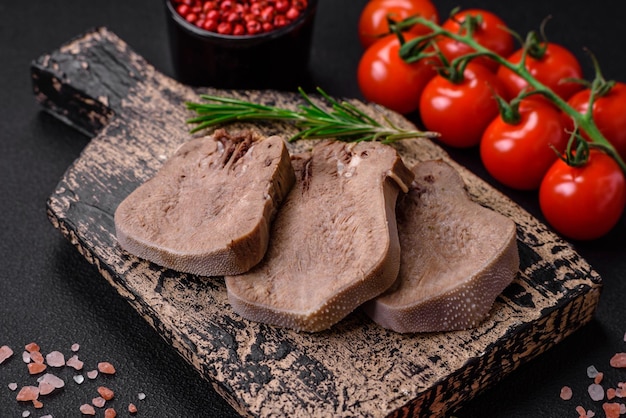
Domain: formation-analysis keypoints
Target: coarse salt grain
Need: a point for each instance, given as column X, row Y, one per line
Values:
column 75, row 347
column 31, row 347
column 141, row 396
column 5, row 353
column 110, row 413
column 45, row 388
column 98, row 401
column 618, row 360
column 106, row 367
column 566, row 393
column 12, row 386
column 132, row 408
column 87, row 409
column 37, row 404
column 596, row 392
column 55, row 359
column 592, row 371
column 26, row 357
column 79, row 378
column 75, row 363
column 25, row 414
column 36, row 368
column 92, row 374
column 28, row 393
column 611, row 410
column 36, row 356
column 106, row 393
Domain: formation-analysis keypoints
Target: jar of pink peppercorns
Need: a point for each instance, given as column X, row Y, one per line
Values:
column 241, row 44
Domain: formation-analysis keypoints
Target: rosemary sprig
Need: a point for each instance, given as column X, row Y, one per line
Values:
column 343, row 121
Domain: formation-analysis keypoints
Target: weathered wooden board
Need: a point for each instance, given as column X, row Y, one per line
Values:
column 99, row 85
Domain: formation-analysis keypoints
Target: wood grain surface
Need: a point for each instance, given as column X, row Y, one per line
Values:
column 136, row 117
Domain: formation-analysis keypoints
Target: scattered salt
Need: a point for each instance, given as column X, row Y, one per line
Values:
column 75, row 347
column 45, row 388
column 25, row 414
column 5, row 353
column 592, row 372
column 132, row 408
column 106, row 393
column 110, row 413
column 92, row 374
column 36, row 356
column 141, row 396
column 55, row 359
column 36, row 368
column 37, row 404
column 596, row 392
column 54, row 381
column 26, row 357
column 46, row 416
column 611, row 410
column 13, row 386
column 79, row 378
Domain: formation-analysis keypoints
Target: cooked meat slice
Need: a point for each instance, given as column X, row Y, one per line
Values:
column 457, row 256
column 208, row 209
column 334, row 242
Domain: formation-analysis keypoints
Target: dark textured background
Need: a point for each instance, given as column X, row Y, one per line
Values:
column 50, row 294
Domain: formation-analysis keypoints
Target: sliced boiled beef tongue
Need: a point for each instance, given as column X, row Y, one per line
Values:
column 334, row 242
column 457, row 257
column 208, row 210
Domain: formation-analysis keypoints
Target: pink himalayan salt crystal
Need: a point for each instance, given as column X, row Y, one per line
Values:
column 45, row 388
column 87, row 409
column 79, row 378
column 25, row 414
column 132, row 408
column 106, row 367
column 596, row 392
column 30, row 347
column 75, row 347
column 28, row 393
column 37, row 404
column 36, row 368
column 618, row 360
column 5, row 353
column 26, row 357
column 98, row 402
column 75, row 363
column 12, row 386
column 611, row 410
column 55, row 359
column 110, row 413
column 566, row 393
column 48, row 383
column 106, row 393
column 92, row 374
column 36, row 356
column 592, row 371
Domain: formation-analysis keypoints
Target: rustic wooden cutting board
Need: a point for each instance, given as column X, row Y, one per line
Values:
column 136, row 116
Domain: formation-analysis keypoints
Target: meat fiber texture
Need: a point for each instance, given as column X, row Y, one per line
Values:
column 334, row 242
column 208, row 210
column 457, row 257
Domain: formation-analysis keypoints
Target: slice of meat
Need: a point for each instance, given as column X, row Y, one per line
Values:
column 334, row 242
column 457, row 256
column 208, row 209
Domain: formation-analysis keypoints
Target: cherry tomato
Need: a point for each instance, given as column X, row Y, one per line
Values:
column 584, row 203
column 386, row 79
column 373, row 18
column 490, row 33
column 609, row 114
column 461, row 111
column 556, row 65
column 519, row 154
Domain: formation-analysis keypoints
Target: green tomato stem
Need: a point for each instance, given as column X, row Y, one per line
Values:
column 582, row 121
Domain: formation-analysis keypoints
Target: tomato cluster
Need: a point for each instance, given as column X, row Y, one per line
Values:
column 486, row 105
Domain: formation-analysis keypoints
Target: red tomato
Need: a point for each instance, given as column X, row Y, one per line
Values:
column 385, row 78
column 518, row 155
column 491, row 33
column 461, row 111
column 556, row 65
column 584, row 203
column 373, row 18
column 609, row 114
